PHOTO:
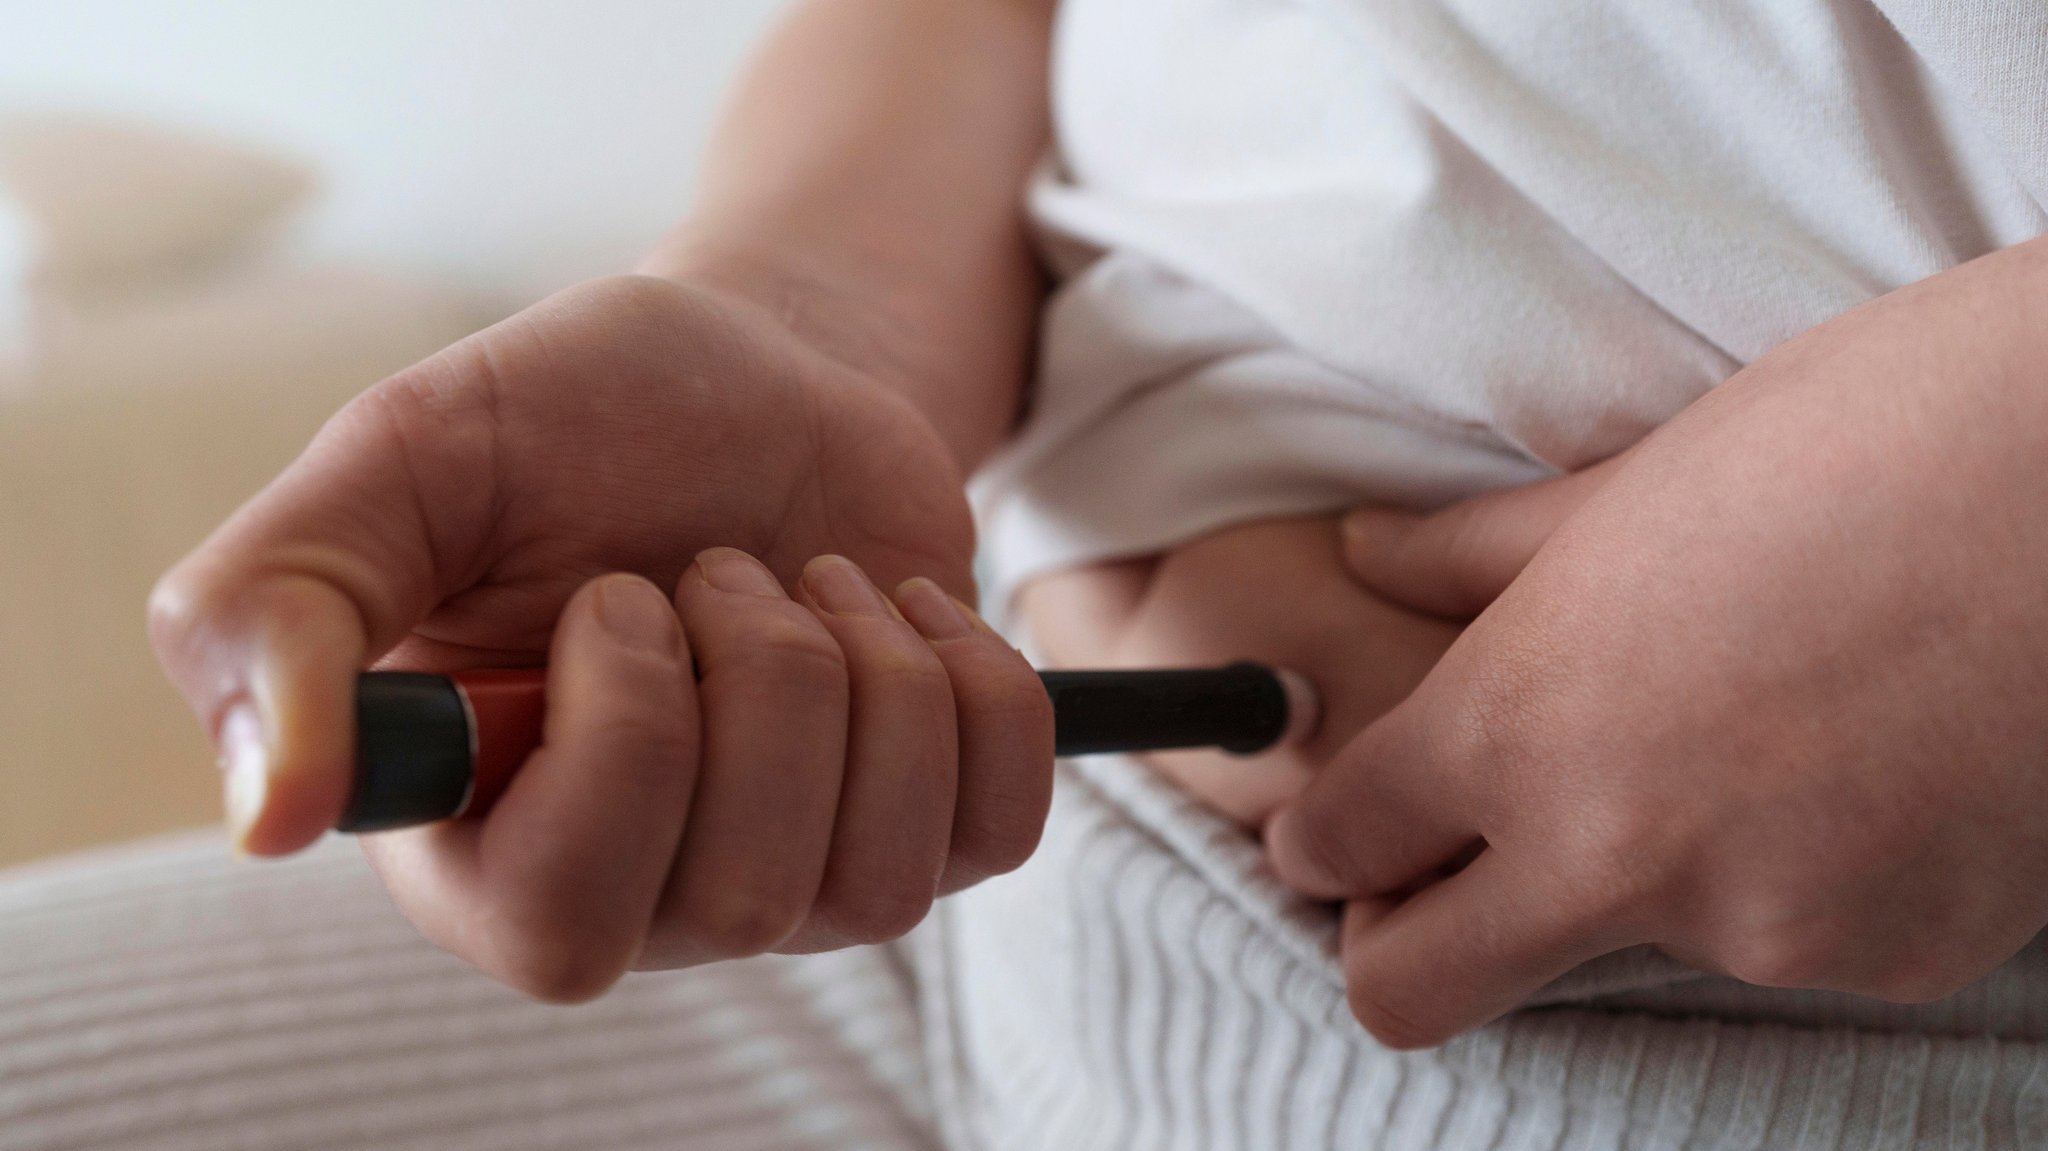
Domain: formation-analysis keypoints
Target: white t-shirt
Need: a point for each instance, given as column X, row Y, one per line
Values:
column 1318, row 251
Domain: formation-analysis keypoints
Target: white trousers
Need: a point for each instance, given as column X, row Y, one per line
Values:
column 1141, row 984
column 166, row 997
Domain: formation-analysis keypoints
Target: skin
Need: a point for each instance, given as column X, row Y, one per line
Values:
column 1276, row 591
column 806, row 368
column 1767, row 693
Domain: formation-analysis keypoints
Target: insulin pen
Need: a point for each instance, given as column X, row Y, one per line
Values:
column 434, row 747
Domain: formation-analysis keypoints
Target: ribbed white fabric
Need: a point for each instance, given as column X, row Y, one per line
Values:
column 169, row 998
column 1315, row 251
column 1145, row 983
column 1141, row 984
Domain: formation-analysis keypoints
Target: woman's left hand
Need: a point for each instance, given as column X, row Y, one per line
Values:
column 1772, row 695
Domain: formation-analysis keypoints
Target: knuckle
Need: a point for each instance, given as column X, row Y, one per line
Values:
column 179, row 605
column 642, row 713
column 562, row 969
column 538, row 942
column 1920, row 978
column 1785, row 957
column 880, row 916
column 1498, row 718
column 176, row 604
column 907, row 668
column 736, row 924
column 1015, row 701
column 1917, row 987
column 1002, row 828
column 1001, row 844
column 1617, row 858
column 201, row 591
column 648, row 730
column 784, row 646
column 201, row 601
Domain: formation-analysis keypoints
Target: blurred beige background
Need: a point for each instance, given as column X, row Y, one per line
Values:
column 218, row 221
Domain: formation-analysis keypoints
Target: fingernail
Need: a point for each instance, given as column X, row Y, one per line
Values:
column 246, row 762
column 636, row 613
column 931, row 611
column 840, row 587
column 732, row 570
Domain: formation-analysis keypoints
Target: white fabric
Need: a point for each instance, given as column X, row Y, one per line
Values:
column 1144, row 983
column 1314, row 251
column 169, row 998
column 1141, row 985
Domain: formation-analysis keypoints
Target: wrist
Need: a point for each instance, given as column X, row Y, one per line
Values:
column 816, row 299
column 885, row 322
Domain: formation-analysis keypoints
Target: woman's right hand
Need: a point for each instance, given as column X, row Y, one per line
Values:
column 447, row 517
column 860, row 305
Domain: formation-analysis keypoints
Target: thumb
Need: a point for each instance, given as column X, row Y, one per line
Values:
column 264, row 627
column 1456, row 561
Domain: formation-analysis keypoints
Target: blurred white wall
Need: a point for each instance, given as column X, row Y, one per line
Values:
column 512, row 144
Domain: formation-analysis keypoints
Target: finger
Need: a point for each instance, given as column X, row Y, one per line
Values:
column 773, row 696
column 1006, row 737
column 270, row 619
column 1383, row 814
column 1456, row 561
column 553, row 891
column 1464, row 950
column 895, row 815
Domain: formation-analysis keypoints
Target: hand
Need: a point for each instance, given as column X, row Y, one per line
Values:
column 447, row 517
column 771, row 775
column 1274, row 591
column 1769, row 696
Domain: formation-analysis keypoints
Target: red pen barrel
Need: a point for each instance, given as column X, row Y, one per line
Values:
column 506, row 710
